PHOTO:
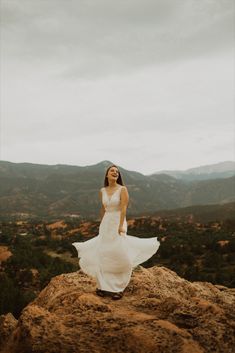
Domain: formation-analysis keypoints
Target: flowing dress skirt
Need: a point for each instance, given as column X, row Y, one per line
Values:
column 110, row 257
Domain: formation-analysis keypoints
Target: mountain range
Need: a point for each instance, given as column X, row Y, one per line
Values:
column 214, row 171
column 40, row 190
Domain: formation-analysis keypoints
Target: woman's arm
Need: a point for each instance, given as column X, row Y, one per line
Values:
column 102, row 210
column 123, row 204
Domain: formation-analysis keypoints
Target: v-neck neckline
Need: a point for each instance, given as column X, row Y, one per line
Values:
column 110, row 197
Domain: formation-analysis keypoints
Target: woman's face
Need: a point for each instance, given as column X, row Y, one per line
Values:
column 113, row 173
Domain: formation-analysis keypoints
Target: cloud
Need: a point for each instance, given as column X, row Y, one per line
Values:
column 129, row 81
column 96, row 38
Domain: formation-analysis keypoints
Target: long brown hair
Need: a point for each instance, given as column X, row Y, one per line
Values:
column 119, row 179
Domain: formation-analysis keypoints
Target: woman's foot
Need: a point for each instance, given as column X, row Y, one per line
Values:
column 116, row 296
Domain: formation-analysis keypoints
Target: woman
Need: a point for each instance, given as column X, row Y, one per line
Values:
column 111, row 256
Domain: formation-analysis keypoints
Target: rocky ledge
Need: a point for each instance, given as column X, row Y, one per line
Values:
column 159, row 313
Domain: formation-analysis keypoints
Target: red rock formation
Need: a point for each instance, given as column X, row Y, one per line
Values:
column 56, row 225
column 5, row 253
column 160, row 312
column 222, row 242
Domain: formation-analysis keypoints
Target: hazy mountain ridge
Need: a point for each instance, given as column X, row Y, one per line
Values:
column 60, row 190
column 214, row 171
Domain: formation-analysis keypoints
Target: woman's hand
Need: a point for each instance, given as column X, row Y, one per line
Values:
column 121, row 230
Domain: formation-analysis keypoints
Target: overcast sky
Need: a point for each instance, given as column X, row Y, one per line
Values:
column 146, row 84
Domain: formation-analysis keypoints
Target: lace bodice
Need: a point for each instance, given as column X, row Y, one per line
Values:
column 111, row 203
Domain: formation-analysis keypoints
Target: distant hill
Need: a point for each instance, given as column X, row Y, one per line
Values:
column 214, row 171
column 35, row 190
column 202, row 214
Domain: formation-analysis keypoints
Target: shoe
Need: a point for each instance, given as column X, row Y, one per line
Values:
column 100, row 292
column 117, row 296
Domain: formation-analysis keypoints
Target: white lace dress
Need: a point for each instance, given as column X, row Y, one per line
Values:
column 110, row 257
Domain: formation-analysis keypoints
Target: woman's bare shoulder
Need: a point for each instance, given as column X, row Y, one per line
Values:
column 124, row 188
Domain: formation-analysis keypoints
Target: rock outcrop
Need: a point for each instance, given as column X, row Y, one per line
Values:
column 159, row 313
